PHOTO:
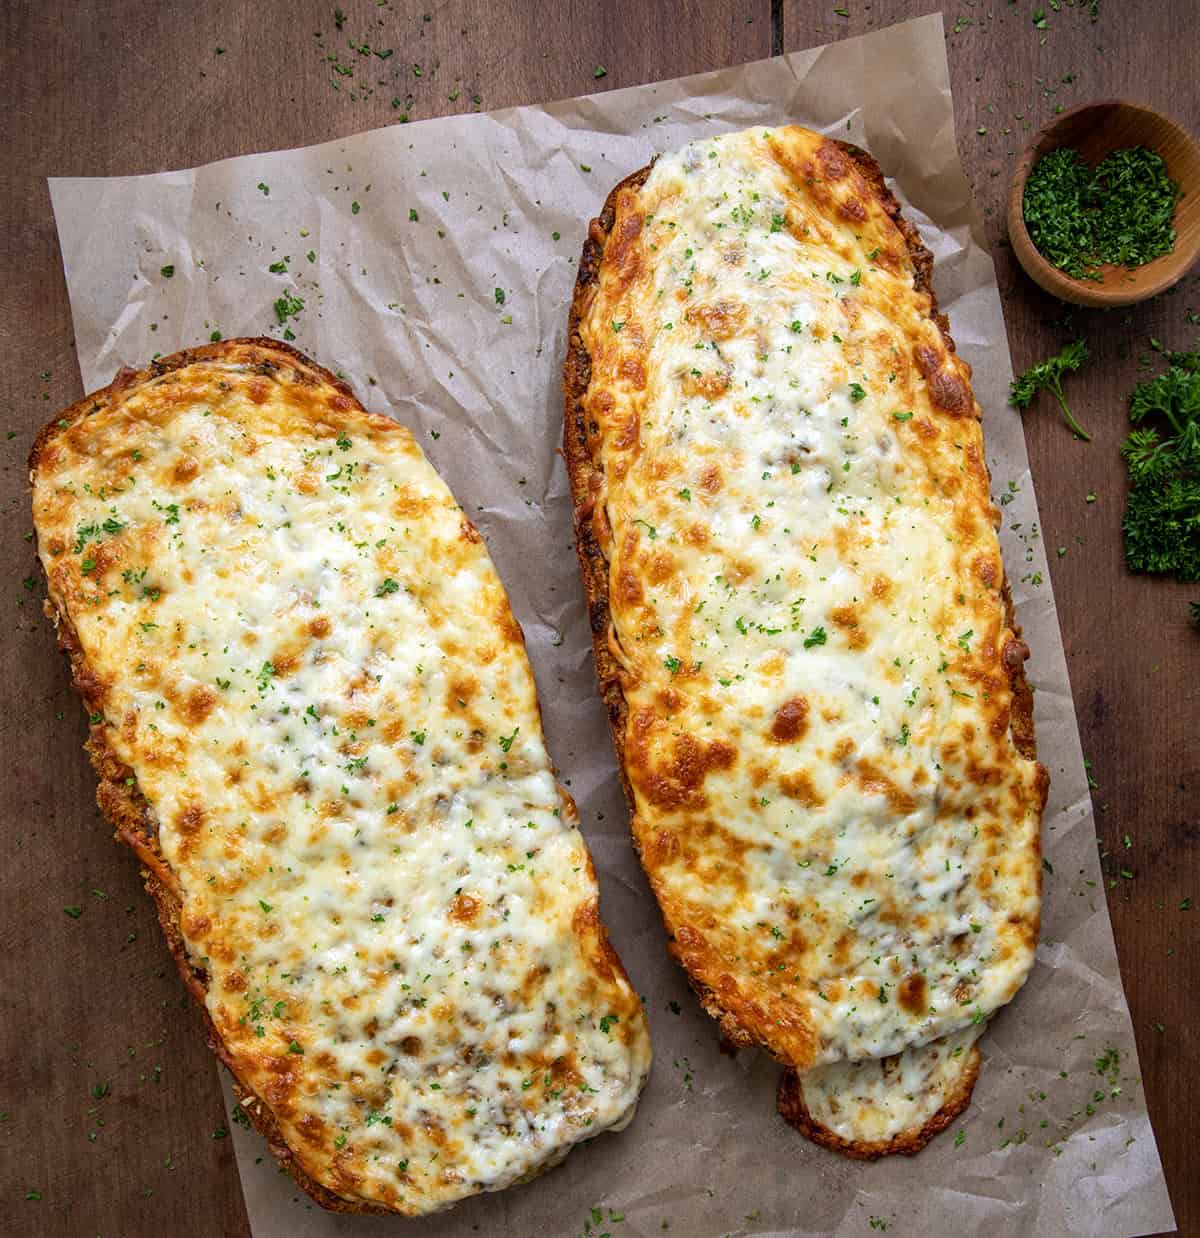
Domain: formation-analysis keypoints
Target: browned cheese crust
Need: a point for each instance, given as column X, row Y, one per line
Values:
column 582, row 447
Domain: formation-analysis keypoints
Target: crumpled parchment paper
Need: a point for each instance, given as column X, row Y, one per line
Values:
column 434, row 263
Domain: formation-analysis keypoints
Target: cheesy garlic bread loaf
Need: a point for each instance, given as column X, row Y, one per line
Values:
column 802, row 628
column 314, row 721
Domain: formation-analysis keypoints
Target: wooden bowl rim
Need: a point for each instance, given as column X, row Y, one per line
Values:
column 1046, row 274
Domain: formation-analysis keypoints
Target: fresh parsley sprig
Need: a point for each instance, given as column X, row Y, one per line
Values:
column 1047, row 376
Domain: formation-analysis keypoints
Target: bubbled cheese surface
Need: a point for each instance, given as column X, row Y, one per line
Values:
column 806, row 597
column 309, row 663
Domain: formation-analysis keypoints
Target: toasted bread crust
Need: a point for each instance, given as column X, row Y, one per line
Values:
column 585, row 470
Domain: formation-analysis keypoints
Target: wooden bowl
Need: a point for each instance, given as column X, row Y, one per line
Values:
column 1095, row 130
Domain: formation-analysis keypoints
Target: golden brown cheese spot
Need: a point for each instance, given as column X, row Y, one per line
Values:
column 465, row 908
column 632, row 370
column 910, row 993
column 628, row 587
column 853, row 209
column 720, row 320
column 799, row 786
column 946, row 389
column 199, row 703
column 710, row 479
column 833, row 164
column 622, row 257
column 873, row 781
column 791, row 721
column 660, row 567
column 677, row 781
column 626, row 436
column 711, row 384
column 846, row 618
column 191, row 820
column 186, row 469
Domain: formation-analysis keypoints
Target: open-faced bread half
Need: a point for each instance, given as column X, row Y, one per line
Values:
column 802, row 628
column 314, row 721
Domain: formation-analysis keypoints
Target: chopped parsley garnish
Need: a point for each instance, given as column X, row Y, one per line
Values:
column 167, row 271
column 857, row 392
column 388, row 586
column 506, row 741
column 672, row 664
column 607, row 1021
column 498, row 293
column 288, row 306
column 1120, row 213
column 815, row 637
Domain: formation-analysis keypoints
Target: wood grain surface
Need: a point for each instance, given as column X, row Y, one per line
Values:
column 111, row 1120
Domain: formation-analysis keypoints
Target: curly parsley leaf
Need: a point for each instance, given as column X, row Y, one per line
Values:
column 1162, row 455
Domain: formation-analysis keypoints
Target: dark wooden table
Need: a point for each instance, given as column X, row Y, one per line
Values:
column 110, row 1113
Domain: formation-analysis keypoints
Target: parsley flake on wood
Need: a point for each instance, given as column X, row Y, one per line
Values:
column 1048, row 375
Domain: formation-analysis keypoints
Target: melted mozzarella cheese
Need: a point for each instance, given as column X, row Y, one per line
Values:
column 874, row 1099
column 310, row 666
column 806, row 598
